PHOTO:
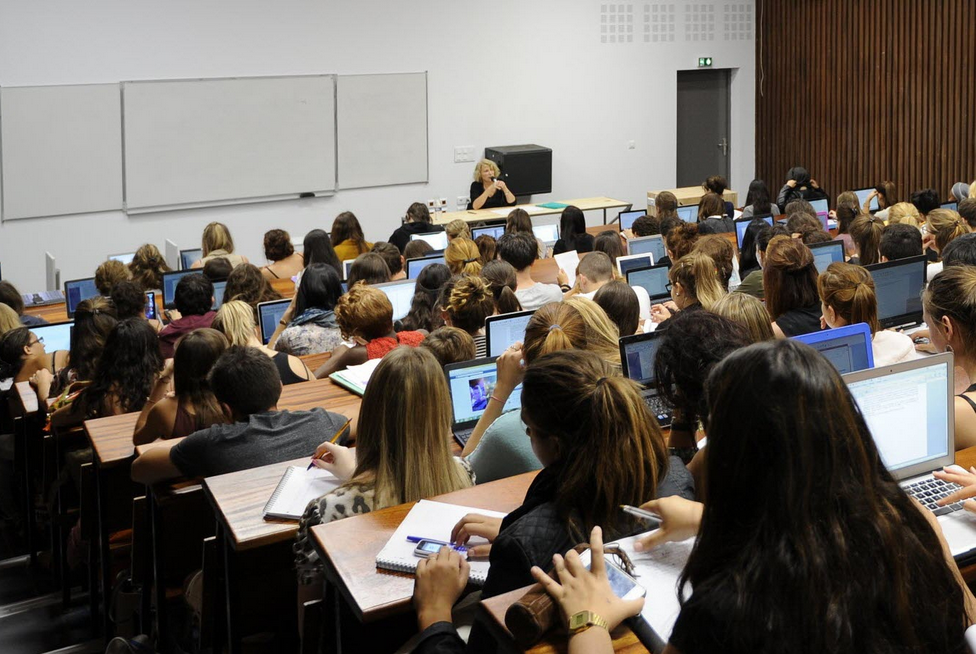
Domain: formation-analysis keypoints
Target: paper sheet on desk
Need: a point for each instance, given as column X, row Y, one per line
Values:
column 568, row 261
column 658, row 572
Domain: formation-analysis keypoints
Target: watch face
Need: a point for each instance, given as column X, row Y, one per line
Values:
column 579, row 619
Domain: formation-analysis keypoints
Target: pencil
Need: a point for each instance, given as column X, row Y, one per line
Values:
column 334, row 439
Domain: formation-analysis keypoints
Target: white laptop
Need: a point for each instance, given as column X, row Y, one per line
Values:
column 909, row 408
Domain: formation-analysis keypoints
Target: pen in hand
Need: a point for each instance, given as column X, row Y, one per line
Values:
column 339, row 433
column 652, row 518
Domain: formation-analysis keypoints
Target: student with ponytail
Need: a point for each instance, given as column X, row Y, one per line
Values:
column 695, row 284
column 502, row 281
column 847, row 295
column 463, row 257
column 790, row 285
column 942, row 227
column 866, row 233
column 466, row 303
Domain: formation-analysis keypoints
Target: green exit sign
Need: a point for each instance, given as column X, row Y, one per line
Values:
column 704, row 62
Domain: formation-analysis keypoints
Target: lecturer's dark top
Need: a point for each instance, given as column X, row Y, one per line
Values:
column 494, row 202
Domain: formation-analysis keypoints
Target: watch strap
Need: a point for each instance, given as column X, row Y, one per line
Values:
column 583, row 620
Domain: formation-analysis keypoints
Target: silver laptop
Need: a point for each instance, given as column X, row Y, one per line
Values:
column 637, row 354
column 471, row 384
column 909, row 408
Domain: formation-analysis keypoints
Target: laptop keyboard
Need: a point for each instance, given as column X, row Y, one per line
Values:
column 660, row 409
column 929, row 491
column 462, row 436
column 42, row 298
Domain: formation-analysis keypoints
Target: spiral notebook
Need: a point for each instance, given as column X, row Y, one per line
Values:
column 433, row 520
column 296, row 489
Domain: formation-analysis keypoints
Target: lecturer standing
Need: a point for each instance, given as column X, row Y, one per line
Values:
column 487, row 190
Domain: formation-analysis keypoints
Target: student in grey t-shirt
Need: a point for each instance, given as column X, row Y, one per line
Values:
column 246, row 383
column 520, row 250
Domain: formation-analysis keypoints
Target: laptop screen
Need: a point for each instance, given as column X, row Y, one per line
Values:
column 848, row 348
column 898, row 285
column 124, row 258
column 269, row 313
column 414, row 266
column 688, row 214
column 862, row 195
column 503, row 331
column 907, row 408
column 742, row 224
column 548, row 234
column 632, row 262
column 190, row 257
column 218, row 294
column 401, row 295
column 954, row 206
column 77, row 290
column 827, row 253
column 654, row 280
column 637, row 355
column 471, row 385
column 436, row 240
column 494, row 231
column 652, row 245
column 56, row 337
column 170, row 280
column 627, row 218
column 820, row 206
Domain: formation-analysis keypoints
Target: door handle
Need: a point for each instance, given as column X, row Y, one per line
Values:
column 725, row 146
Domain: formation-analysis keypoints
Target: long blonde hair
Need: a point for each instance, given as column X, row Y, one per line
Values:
column 8, row 319
column 699, row 276
column 576, row 324
column 463, row 257
column 236, row 320
column 404, row 436
column 457, row 228
column 849, row 291
column 903, row 212
column 216, row 236
column 946, row 225
column 747, row 311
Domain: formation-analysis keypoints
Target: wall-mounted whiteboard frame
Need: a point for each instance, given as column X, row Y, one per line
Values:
column 207, row 142
column 381, row 122
column 61, row 150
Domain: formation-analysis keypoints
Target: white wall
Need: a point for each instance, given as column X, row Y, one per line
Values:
column 500, row 73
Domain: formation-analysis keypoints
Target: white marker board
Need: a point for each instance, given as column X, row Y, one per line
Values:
column 221, row 141
column 382, row 126
column 62, row 149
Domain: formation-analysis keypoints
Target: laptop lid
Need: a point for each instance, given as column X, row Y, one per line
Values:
column 627, row 218
column 862, row 195
column 494, row 231
column 688, row 213
column 269, row 313
column 471, row 384
column 77, row 290
column 400, row 294
column 436, row 240
column 653, row 279
column 548, row 234
column 827, row 253
column 742, row 224
column 170, row 280
column 898, row 285
column 652, row 245
column 637, row 354
column 414, row 266
column 56, row 337
column 848, row 348
column 953, row 206
column 125, row 258
column 633, row 261
column 909, row 408
column 823, row 210
column 504, row 330
column 218, row 294
column 190, row 257
column 346, row 266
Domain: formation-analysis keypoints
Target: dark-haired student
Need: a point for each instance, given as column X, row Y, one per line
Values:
column 10, row 296
column 520, row 251
column 347, row 237
column 799, row 186
column 925, row 200
column 246, row 384
column 246, row 284
column 869, row 546
column 95, row 318
column 572, row 233
column 899, row 241
column 450, row 345
column 308, row 325
column 646, row 226
column 712, row 218
column 369, row 268
column 23, row 358
column 960, row 252
column 790, row 286
column 108, row 274
column 194, row 298
column 967, row 209
column 752, row 283
column 147, row 267
column 758, row 202
column 217, row 269
column 717, row 185
column 317, row 248
column 284, row 262
column 424, row 313
column 394, row 260
column 416, row 221
column 130, row 302
column 519, row 222
column 866, row 233
column 503, row 282
column 619, row 301
column 417, row 249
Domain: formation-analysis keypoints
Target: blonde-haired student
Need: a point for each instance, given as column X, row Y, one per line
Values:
column 235, row 320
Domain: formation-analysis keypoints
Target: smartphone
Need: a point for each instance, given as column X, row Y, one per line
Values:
column 150, row 305
column 427, row 548
column 624, row 586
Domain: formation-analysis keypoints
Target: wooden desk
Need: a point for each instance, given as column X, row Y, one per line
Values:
column 689, row 195
column 53, row 313
column 487, row 215
column 544, row 271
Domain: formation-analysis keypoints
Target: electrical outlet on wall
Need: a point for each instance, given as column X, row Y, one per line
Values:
column 631, row 145
column 463, row 153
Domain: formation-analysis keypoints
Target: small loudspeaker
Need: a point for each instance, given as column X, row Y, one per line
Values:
column 526, row 169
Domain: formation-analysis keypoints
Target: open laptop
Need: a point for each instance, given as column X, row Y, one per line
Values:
column 77, row 290
column 494, row 231
column 190, row 257
column 688, row 213
column 827, row 253
column 414, row 266
column 652, row 245
column 42, row 298
column 170, row 280
column 400, row 294
column 269, row 313
column 436, row 240
column 909, row 408
column 823, row 210
column 627, row 218
column 471, row 384
column 952, row 206
column 346, row 267
column 125, row 258
column 848, row 348
column 504, row 330
column 55, row 337
column 742, row 224
column 898, row 285
column 653, row 279
column 637, row 355
column 633, row 261
column 862, row 195
column 548, row 234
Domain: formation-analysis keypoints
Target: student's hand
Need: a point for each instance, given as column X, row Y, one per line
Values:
column 627, row 234
column 562, row 278
column 475, row 524
column 173, row 315
column 813, row 183
column 440, row 581
column 511, row 368
column 168, row 368
column 339, row 460
column 659, row 313
column 681, row 519
column 832, row 214
column 290, row 311
column 41, row 381
column 579, row 589
column 928, row 242
column 791, row 183
column 965, row 479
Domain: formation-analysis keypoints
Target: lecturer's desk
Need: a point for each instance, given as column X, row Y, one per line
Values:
column 348, row 549
column 487, row 215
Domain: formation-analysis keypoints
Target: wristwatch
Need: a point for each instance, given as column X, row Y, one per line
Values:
column 583, row 620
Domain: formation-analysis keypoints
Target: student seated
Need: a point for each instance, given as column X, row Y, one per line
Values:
column 925, row 200
column 317, row 248
column 369, row 268
column 899, row 241
column 717, row 185
column 194, row 299
column 722, row 252
column 416, row 221
column 192, row 405
column 10, row 296
column 246, row 284
column 695, row 285
column 746, row 311
column 402, row 453
column 519, row 222
column 749, row 252
column 757, row 201
column 646, row 226
column 22, row 357
column 147, row 267
column 217, row 269
column 848, row 297
column 595, row 270
column 450, row 345
column 284, row 261
column 365, row 316
column 130, row 302
column 572, row 233
column 107, row 274
column 424, row 314
column 394, row 260
column 866, row 233
column 463, row 257
column 308, row 325
column 752, row 283
column 520, row 251
column 611, row 243
column 790, row 285
column 417, row 249
column 217, row 242
column 960, row 252
column 347, row 237
column 502, row 281
column 681, row 240
column 904, row 212
column 799, row 185
column 246, row 384
column 712, row 218
column 236, row 320
column 967, row 210
column 944, row 226
column 487, row 249
column 868, row 546
column 621, row 305
column 457, row 228
column 95, row 318
column 466, row 303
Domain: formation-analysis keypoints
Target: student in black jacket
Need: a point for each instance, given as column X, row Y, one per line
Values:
column 417, row 221
column 799, row 186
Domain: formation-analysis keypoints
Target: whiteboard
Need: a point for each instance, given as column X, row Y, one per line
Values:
column 382, row 125
column 62, row 149
column 219, row 141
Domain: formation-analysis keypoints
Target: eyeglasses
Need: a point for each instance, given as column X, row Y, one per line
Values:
column 39, row 340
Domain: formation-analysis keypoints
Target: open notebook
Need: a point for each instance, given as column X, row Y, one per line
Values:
column 296, row 489
column 433, row 520
column 355, row 378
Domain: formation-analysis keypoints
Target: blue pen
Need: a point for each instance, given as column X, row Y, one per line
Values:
column 456, row 548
